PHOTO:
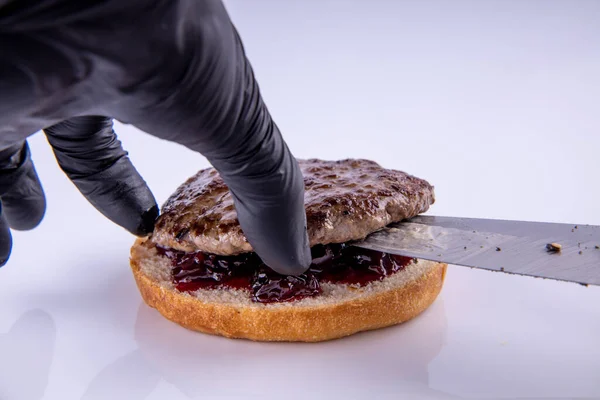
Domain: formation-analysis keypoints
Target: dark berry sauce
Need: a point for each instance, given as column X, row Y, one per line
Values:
column 334, row 263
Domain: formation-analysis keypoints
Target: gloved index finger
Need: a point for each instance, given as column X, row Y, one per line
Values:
column 217, row 110
column 270, row 206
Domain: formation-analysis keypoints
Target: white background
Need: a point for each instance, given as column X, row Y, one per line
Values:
column 494, row 102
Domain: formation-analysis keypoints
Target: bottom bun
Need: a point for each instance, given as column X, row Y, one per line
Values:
column 341, row 309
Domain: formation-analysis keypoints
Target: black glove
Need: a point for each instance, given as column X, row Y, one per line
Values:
column 175, row 69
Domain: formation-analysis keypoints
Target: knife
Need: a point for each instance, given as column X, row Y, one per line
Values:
column 565, row 252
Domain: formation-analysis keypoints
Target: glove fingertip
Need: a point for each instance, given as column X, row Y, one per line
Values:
column 148, row 218
column 298, row 264
column 27, row 214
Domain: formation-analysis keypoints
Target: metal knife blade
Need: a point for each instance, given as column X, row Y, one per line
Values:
column 516, row 247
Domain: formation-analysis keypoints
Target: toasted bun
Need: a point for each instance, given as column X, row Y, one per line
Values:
column 341, row 310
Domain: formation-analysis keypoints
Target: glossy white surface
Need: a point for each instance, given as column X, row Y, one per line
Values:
column 496, row 103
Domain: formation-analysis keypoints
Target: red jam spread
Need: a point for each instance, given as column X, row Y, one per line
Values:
column 334, row 263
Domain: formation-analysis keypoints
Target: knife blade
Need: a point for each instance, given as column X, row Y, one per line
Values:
column 516, row 247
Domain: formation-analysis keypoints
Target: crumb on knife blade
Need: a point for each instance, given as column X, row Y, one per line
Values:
column 553, row 247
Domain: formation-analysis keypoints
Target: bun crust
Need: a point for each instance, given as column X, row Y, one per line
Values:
column 344, row 311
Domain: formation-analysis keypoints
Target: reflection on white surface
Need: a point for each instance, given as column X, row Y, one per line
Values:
column 129, row 377
column 202, row 366
column 460, row 348
column 518, row 337
column 26, row 352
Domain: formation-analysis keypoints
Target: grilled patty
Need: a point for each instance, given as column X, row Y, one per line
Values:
column 345, row 200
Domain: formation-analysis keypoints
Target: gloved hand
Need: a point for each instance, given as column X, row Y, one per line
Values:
column 175, row 69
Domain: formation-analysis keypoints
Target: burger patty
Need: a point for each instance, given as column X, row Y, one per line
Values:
column 345, row 200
